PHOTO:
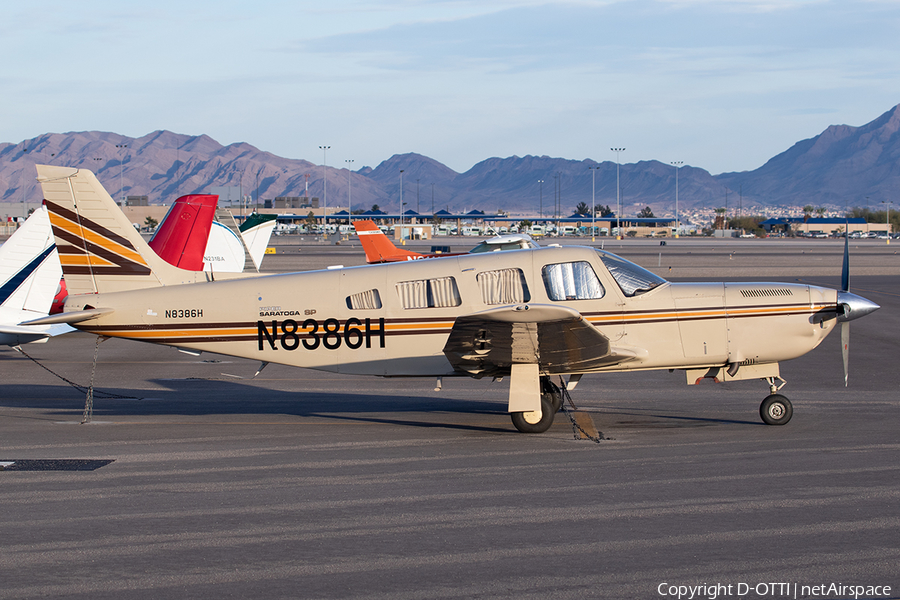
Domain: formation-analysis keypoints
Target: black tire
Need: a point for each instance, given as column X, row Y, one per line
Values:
column 776, row 410
column 551, row 392
column 546, row 420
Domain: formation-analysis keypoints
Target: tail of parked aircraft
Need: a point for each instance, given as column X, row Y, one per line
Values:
column 236, row 248
column 256, row 230
column 182, row 236
column 198, row 236
column 29, row 275
column 378, row 247
column 29, row 279
column 99, row 249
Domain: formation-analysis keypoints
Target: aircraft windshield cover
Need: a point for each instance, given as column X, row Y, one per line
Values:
column 632, row 278
column 513, row 241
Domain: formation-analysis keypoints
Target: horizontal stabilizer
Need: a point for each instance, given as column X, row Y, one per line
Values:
column 70, row 317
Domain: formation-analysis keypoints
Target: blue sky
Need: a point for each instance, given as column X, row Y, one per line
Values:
column 719, row 84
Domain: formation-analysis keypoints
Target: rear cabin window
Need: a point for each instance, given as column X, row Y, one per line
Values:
column 367, row 300
column 503, row 286
column 429, row 293
column 572, row 281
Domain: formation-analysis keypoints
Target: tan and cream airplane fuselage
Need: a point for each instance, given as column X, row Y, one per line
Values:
column 394, row 320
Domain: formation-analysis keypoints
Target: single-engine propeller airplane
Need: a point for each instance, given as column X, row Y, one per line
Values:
column 522, row 314
column 380, row 249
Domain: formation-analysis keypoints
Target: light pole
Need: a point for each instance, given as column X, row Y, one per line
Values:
column 867, row 216
column 121, row 171
column 349, row 162
column 887, row 220
column 417, row 195
column 593, row 197
column 24, row 206
column 432, row 202
column 324, row 150
column 401, row 206
column 541, row 181
column 618, row 209
column 677, row 164
column 558, row 207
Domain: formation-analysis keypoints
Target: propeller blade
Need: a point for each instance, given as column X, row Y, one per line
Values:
column 845, row 271
column 845, row 349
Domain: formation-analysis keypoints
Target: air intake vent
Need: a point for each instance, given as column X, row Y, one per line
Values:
column 767, row 292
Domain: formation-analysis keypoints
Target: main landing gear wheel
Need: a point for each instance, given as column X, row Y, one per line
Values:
column 535, row 422
column 552, row 393
column 776, row 410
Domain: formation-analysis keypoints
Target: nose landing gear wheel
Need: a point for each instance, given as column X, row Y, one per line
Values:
column 535, row 422
column 776, row 410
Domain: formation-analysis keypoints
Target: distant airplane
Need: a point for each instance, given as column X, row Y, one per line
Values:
column 525, row 315
column 380, row 249
column 196, row 236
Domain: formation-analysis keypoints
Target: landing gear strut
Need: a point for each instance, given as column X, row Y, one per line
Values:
column 540, row 421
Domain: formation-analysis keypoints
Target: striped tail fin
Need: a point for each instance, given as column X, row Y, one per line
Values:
column 99, row 249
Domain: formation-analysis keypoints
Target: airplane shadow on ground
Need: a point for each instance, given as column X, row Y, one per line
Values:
column 199, row 397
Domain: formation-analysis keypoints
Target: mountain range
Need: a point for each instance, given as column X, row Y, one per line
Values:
column 842, row 166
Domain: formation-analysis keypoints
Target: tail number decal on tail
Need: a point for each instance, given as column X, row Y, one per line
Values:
column 311, row 334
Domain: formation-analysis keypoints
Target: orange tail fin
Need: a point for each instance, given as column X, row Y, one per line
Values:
column 378, row 248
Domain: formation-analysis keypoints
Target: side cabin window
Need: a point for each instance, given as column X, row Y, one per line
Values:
column 503, row 286
column 367, row 300
column 440, row 292
column 572, row 281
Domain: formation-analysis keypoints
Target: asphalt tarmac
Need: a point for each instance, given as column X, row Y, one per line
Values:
column 300, row 484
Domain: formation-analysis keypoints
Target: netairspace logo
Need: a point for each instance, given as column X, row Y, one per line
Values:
column 716, row 591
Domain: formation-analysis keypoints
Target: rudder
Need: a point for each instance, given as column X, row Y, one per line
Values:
column 99, row 249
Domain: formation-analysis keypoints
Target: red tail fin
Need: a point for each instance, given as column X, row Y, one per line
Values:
column 182, row 237
column 378, row 247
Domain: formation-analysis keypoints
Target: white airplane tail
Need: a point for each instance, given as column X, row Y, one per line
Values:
column 256, row 230
column 29, row 271
column 99, row 249
column 29, row 279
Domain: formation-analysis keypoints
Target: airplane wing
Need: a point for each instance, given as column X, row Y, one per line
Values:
column 556, row 338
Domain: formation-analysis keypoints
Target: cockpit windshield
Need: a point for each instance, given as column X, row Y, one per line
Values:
column 632, row 279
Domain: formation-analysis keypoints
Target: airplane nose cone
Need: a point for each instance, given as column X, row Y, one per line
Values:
column 854, row 306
